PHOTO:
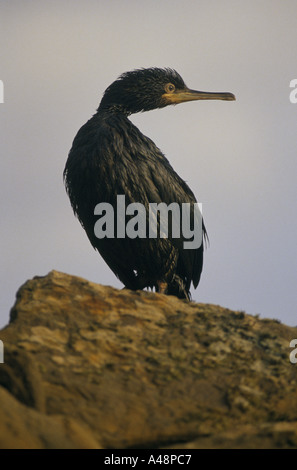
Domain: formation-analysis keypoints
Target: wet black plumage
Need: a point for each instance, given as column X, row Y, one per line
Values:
column 110, row 157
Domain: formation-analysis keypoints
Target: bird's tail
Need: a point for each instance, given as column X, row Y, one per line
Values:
column 178, row 288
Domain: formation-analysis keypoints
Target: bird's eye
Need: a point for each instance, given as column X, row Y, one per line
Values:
column 169, row 88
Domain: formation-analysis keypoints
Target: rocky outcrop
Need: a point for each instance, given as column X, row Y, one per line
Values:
column 88, row 366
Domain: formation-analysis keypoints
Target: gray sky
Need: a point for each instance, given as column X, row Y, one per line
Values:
column 239, row 158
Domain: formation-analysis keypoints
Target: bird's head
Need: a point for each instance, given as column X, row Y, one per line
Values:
column 146, row 89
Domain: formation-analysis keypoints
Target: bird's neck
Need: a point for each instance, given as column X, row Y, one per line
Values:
column 113, row 109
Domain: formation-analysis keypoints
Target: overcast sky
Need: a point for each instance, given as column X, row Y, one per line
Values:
column 239, row 158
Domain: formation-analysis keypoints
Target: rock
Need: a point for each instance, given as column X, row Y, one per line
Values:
column 22, row 427
column 89, row 366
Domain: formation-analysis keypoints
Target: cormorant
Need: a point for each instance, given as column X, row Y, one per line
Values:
column 111, row 157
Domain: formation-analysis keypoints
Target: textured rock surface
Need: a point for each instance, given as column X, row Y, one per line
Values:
column 88, row 366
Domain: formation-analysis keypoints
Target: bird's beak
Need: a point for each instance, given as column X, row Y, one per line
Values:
column 180, row 96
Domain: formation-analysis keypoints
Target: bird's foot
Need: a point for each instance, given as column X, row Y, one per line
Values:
column 162, row 287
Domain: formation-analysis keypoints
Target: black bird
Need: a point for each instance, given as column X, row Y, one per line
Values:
column 111, row 157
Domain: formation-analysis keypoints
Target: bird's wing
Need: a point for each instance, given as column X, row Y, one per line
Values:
column 160, row 183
